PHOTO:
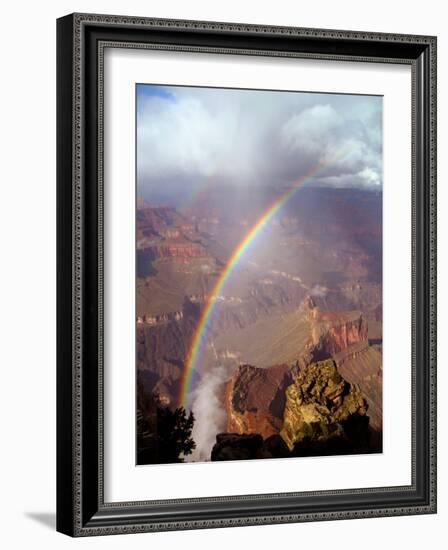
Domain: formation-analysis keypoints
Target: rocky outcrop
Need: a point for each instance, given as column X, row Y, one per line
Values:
column 230, row 446
column 344, row 337
column 333, row 332
column 364, row 368
column 323, row 415
column 255, row 399
column 321, row 405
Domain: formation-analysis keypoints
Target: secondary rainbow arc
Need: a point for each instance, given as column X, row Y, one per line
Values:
column 199, row 337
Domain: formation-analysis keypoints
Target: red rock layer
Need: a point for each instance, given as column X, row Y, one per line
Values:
column 255, row 399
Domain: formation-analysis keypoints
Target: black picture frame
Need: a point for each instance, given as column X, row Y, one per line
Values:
column 81, row 510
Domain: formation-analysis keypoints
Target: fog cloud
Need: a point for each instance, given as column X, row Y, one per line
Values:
column 210, row 417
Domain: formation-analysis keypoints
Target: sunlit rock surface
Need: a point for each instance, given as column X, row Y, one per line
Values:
column 320, row 406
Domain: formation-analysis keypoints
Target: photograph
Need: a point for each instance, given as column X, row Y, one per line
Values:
column 258, row 273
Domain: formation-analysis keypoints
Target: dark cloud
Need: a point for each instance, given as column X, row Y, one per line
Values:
column 251, row 137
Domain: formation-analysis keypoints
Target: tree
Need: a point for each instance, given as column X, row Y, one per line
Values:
column 163, row 435
column 174, row 431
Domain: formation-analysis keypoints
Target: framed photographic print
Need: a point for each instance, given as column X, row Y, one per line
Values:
column 246, row 274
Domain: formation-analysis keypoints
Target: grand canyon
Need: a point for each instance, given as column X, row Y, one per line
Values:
column 290, row 355
column 258, row 274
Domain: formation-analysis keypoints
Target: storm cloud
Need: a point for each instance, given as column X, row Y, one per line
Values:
column 249, row 137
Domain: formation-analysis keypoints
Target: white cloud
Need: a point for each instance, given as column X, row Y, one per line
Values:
column 312, row 129
column 371, row 177
column 181, row 136
column 257, row 137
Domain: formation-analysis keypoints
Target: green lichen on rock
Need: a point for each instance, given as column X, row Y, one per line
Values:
column 322, row 407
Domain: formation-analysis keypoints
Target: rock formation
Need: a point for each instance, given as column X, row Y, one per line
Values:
column 230, row 446
column 255, row 399
column 180, row 250
column 363, row 367
column 161, row 348
column 332, row 332
column 321, row 405
column 344, row 336
column 322, row 414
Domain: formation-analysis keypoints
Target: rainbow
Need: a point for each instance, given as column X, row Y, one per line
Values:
column 199, row 337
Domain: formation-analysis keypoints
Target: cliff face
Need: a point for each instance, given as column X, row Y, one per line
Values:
column 179, row 250
column 155, row 220
column 364, row 368
column 333, row 332
column 322, row 414
column 254, row 399
column 161, row 349
column 163, row 233
column 344, row 336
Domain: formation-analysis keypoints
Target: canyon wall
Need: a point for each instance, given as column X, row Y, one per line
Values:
column 256, row 398
column 323, row 414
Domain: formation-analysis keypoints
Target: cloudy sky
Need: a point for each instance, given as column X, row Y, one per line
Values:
column 188, row 136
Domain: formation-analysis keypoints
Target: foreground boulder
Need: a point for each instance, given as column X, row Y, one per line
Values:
column 230, row 446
